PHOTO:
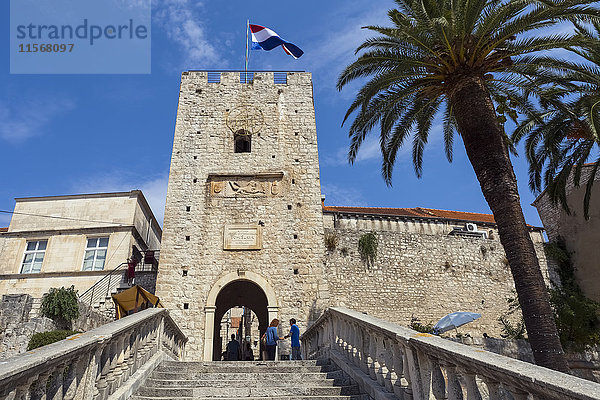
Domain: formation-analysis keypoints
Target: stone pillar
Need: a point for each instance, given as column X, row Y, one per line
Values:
column 209, row 329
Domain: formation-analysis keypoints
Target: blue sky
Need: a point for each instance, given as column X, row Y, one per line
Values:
column 63, row 134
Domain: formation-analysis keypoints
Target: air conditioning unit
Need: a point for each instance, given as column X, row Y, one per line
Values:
column 471, row 227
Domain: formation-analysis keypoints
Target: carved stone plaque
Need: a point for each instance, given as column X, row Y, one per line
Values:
column 242, row 237
column 259, row 185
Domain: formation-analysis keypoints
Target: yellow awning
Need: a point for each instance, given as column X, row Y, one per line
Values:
column 133, row 300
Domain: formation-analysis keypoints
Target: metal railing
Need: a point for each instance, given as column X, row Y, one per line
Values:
column 280, row 78
column 214, row 76
column 110, row 282
column 102, row 289
column 246, row 76
column 390, row 361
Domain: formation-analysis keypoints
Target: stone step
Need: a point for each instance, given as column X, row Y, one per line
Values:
column 245, row 363
column 259, row 391
column 247, row 369
column 176, row 374
column 232, row 383
column 351, row 397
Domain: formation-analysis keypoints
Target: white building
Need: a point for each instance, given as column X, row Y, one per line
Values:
column 73, row 240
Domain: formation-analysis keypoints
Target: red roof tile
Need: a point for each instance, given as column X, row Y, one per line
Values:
column 460, row 215
column 3, row 229
column 416, row 212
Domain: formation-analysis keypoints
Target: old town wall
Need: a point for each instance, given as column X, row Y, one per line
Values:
column 423, row 275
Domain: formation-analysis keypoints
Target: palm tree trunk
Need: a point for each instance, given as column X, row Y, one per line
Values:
column 484, row 142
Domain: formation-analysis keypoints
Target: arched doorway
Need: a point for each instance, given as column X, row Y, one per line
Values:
column 243, row 323
column 240, row 288
column 239, row 293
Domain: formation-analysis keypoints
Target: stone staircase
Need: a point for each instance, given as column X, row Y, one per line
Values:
column 291, row 380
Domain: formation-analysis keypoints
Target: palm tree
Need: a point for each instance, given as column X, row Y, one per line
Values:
column 560, row 142
column 472, row 61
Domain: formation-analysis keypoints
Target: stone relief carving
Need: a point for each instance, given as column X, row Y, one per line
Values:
column 225, row 186
column 217, row 187
column 250, row 187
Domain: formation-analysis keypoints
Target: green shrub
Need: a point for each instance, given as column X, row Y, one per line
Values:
column 576, row 316
column 61, row 305
column 512, row 330
column 420, row 327
column 44, row 338
column 331, row 240
column 367, row 247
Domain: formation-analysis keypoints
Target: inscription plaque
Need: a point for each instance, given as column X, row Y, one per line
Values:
column 242, row 237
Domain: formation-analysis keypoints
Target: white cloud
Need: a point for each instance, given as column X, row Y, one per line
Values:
column 154, row 189
column 183, row 25
column 336, row 49
column 342, row 196
column 369, row 150
column 21, row 120
column 5, row 219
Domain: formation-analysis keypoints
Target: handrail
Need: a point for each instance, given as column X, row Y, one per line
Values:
column 409, row 364
column 96, row 286
column 94, row 364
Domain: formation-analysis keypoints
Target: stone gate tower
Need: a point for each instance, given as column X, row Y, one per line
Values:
column 243, row 221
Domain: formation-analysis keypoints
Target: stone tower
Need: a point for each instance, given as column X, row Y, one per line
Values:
column 243, row 220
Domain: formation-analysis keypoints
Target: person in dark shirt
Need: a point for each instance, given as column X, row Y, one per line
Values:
column 249, row 352
column 233, row 349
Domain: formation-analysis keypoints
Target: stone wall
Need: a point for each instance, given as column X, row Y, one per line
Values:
column 580, row 235
column 423, row 275
column 146, row 280
column 20, row 319
column 18, row 322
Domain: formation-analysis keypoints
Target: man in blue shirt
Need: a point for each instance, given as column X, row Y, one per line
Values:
column 295, row 335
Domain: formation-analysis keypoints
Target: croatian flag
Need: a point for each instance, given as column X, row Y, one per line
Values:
column 266, row 39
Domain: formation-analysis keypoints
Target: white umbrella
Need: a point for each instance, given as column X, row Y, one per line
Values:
column 454, row 320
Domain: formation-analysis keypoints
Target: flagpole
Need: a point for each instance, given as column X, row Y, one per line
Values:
column 246, row 64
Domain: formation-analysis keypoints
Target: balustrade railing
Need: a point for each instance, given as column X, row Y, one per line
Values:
column 94, row 364
column 411, row 365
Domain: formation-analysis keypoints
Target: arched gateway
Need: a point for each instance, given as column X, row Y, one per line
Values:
column 242, row 288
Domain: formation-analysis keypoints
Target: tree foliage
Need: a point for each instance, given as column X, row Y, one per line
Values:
column 565, row 135
column 433, row 46
column 61, row 305
column 512, row 329
column 367, row 247
column 475, row 64
column 576, row 315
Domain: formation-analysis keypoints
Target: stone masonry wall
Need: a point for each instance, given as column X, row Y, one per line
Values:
column 423, row 275
column 580, row 235
column 20, row 319
column 284, row 150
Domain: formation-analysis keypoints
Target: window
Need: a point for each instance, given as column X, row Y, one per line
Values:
column 34, row 256
column 242, row 142
column 95, row 254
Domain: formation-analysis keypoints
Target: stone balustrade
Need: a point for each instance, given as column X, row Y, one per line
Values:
column 95, row 364
column 390, row 361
